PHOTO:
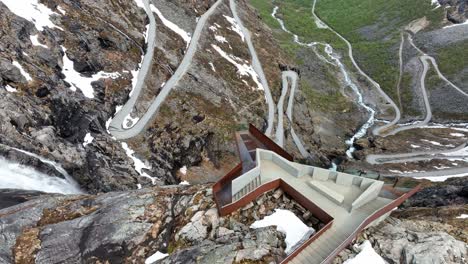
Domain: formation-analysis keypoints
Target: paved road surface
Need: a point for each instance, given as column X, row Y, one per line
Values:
column 257, row 66
column 377, row 130
column 116, row 128
column 413, row 156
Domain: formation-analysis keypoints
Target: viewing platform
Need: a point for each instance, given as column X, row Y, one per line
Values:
column 345, row 203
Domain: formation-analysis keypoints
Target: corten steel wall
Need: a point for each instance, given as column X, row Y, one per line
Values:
column 235, row 172
column 225, row 210
column 369, row 220
column 270, row 144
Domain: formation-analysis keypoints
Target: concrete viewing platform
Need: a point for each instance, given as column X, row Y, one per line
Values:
column 345, row 203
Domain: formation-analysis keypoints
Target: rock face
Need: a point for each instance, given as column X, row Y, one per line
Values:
column 123, row 227
column 453, row 191
column 402, row 241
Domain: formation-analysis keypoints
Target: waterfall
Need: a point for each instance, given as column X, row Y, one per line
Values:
column 16, row 176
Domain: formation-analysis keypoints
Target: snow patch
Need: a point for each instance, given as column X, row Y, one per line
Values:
column 288, row 223
column 36, row 42
column 88, row 139
column 366, row 255
column 78, row 81
column 235, row 27
column 243, row 69
column 10, row 89
column 183, row 170
column 139, row 3
column 442, row 178
column 184, row 183
column 155, row 257
column 137, row 163
column 457, row 134
column 415, row 146
column 463, row 216
column 221, row 39
column 32, row 11
column 128, row 121
column 185, row 36
column 212, row 66
column 23, row 72
column 61, row 10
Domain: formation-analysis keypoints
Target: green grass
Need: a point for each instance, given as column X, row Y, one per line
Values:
column 331, row 101
column 406, row 94
column 298, row 19
column 377, row 54
column 453, row 59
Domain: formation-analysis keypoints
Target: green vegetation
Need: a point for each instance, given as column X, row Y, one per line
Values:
column 453, row 60
column 332, row 101
column 298, row 19
column 406, row 93
column 373, row 27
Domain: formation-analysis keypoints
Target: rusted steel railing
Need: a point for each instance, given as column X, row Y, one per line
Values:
column 369, row 220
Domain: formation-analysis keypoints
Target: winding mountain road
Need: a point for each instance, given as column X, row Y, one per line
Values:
column 427, row 105
column 116, row 127
column 414, row 156
column 377, row 130
column 257, row 66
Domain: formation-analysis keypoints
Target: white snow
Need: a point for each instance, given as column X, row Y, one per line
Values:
column 212, row 66
column 137, row 163
column 61, row 10
column 436, row 3
column 23, row 72
column 396, row 171
column 457, row 134
column 415, row 146
column 185, row 36
column 78, row 81
column 36, row 42
column 10, row 89
column 88, row 139
column 441, row 167
column 155, row 257
column 221, row 39
column 367, row 255
column 243, row 69
column 184, row 183
column 437, row 143
column 33, row 11
column 128, row 121
column 235, row 27
column 463, row 216
column 288, row 223
column 457, row 25
column 140, row 3
column 442, row 178
column 183, row 170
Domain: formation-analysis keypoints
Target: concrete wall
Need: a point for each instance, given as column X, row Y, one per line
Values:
column 240, row 182
column 283, row 163
column 368, row 195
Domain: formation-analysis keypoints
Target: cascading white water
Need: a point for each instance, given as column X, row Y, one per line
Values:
column 337, row 62
column 363, row 130
column 16, row 176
